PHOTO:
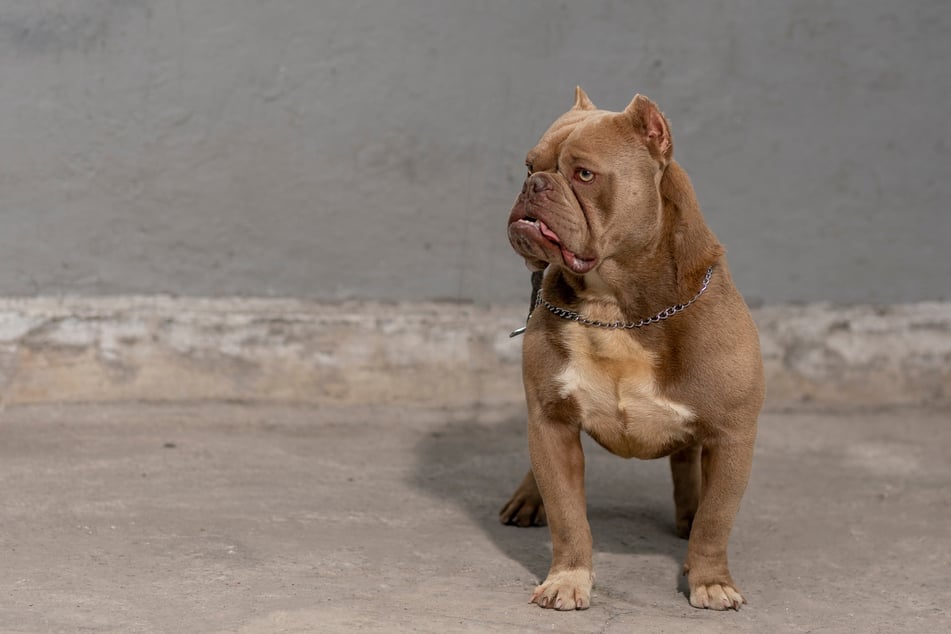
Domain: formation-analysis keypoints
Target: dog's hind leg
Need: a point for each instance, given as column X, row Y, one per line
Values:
column 525, row 507
column 685, row 469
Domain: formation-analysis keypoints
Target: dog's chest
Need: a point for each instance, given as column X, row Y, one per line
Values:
column 612, row 379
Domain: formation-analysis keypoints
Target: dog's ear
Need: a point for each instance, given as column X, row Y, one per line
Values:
column 650, row 123
column 582, row 102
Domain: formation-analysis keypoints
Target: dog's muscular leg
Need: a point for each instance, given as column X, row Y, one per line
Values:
column 558, row 466
column 525, row 507
column 726, row 469
column 685, row 469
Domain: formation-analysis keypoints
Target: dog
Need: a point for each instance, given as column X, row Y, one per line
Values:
column 638, row 337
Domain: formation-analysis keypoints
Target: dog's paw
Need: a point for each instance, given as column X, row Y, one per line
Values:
column 565, row 590
column 524, row 509
column 716, row 596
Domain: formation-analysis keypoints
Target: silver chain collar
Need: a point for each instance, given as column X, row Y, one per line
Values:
column 571, row 315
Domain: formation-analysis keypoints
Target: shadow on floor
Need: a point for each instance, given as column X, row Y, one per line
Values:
column 477, row 466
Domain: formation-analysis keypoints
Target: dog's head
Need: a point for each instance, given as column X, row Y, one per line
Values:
column 593, row 189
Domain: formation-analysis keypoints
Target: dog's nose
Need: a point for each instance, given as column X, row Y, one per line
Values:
column 538, row 183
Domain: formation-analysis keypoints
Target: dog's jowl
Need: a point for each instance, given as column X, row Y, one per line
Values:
column 638, row 337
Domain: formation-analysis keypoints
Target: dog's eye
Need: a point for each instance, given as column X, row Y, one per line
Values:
column 583, row 175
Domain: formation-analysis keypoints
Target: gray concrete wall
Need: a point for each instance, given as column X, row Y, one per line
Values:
column 458, row 358
column 371, row 150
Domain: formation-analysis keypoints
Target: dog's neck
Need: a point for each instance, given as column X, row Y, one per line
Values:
column 636, row 288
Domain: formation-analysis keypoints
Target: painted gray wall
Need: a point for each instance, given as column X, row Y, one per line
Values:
column 371, row 150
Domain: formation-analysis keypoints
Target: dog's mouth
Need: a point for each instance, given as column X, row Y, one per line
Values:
column 573, row 261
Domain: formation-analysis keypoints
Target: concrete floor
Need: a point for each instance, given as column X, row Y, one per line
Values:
column 251, row 518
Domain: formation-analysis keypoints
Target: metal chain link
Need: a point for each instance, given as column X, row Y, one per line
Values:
column 667, row 313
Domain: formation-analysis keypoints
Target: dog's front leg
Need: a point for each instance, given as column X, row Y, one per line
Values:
column 726, row 469
column 558, row 466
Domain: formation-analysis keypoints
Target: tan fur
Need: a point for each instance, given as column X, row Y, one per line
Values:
column 631, row 241
column 611, row 378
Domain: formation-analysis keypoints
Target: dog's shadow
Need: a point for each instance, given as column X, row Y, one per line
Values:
column 477, row 467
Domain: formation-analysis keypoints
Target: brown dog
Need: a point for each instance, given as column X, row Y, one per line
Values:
column 638, row 337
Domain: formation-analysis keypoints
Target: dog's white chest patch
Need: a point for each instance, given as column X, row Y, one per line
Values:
column 611, row 378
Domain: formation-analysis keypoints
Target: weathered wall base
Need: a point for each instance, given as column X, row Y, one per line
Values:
column 452, row 356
